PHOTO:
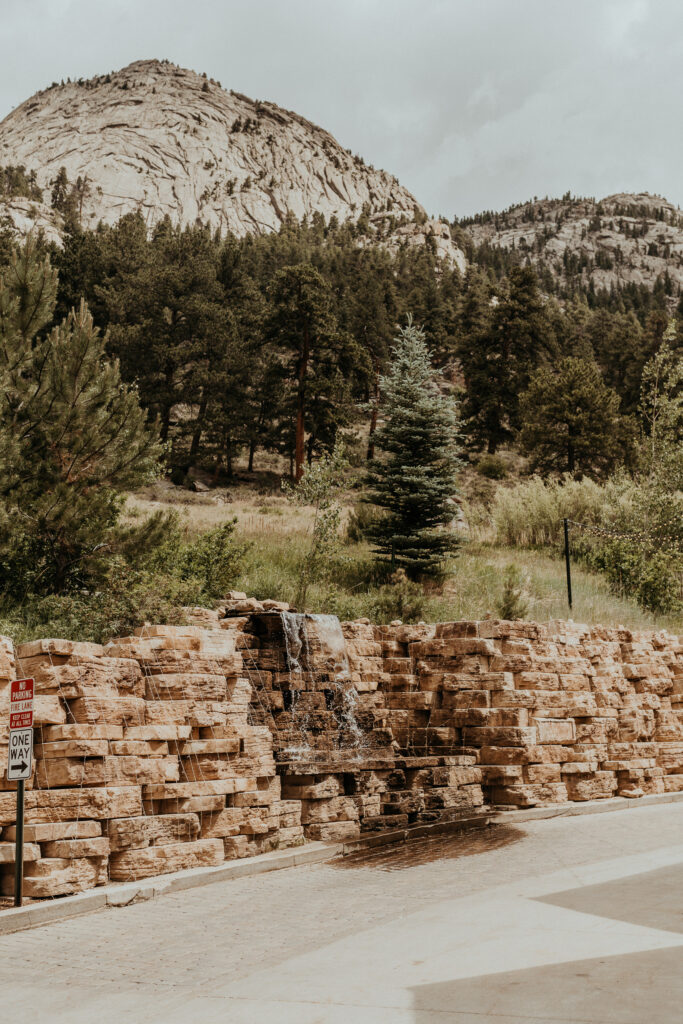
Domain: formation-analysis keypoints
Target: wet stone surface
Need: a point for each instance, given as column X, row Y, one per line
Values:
column 425, row 850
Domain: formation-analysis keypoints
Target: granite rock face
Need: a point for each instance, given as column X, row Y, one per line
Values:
column 165, row 141
column 626, row 238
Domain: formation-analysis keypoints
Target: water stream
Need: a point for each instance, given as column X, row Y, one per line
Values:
column 331, row 661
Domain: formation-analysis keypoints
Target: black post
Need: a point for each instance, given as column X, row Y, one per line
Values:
column 568, row 563
column 19, row 847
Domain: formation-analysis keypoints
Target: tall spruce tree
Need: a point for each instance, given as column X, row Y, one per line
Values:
column 72, row 436
column 413, row 477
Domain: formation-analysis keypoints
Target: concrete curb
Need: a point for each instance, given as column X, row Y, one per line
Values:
column 125, row 893
column 617, row 803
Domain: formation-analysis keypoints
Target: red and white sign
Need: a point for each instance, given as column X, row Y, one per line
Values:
column 20, row 750
column 21, row 704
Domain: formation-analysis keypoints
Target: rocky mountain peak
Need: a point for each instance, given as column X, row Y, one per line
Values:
column 161, row 139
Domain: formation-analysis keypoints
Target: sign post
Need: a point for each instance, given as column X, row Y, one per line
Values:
column 567, row 562
column 19, row 765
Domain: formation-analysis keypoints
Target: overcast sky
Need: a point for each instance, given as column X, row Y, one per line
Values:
column 473, row 104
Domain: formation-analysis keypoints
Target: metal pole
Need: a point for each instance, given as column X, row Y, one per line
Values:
column 568, row 563
column 19, row 848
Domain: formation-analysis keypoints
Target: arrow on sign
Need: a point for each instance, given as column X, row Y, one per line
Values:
column 21, row 767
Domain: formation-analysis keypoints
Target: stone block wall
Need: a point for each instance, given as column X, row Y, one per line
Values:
column 145, row 761
column 185, row 746
column 553, row 713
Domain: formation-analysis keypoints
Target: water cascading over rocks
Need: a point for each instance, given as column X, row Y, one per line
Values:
column 317, row 664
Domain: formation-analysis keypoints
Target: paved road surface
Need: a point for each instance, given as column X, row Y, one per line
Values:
column 571, row 920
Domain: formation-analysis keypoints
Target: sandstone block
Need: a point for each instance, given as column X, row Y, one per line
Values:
column 48, row 710
column 51, row 830
column 65, row 648
column 553, row 730
column 600, row 787
column 340, row 808
column 499, row 736
column 150, row 733
column 530, row 795
column 71, row 748
column 60, row 877
column 542, row 773
column 198, row 713
column 60, row 733
column 333, row 832
column 130, row 865
column 64, row 804
column 8, row 852
column 212, row 787
column 302, row 787
column 67, row 849
column 186, row 686
column 151, row 830
column 113, row 711
column 139, row 748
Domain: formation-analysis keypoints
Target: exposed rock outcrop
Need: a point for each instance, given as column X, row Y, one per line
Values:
column 164, row 140
column 623, row 239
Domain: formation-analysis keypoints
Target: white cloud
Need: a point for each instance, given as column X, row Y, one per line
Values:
column 471, row 103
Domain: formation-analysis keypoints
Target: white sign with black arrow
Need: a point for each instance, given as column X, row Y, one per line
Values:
column 20, row 754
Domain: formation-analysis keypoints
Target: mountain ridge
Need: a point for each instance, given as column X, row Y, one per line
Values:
column 164, row 140
column 621, row 240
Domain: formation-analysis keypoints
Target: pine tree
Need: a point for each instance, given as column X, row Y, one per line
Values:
column 320, row 357
column 72, row 436
column 517, row 338
column 414, row 476
column 572, row 422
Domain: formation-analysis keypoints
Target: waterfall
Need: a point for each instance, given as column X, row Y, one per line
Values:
column 333, row 649
column 320, row 657
column 294, row 631
column 296, row 651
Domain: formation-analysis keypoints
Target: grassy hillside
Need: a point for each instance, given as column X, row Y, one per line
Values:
column 278, row 535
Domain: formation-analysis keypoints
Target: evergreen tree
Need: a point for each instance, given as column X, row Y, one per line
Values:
column 413, row 479
column 170, row 326
column 320, row 358
column 72, row 436
column 518, row 337
column 572, row 421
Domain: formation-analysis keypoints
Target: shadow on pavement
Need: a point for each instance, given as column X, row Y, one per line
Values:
column 634, row 988
column 638, row 988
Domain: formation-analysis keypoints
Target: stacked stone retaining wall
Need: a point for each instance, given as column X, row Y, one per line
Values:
column 185, row 746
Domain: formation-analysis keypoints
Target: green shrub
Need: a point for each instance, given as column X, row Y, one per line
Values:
column 400, row 598
column 513, row 602
column 360, row 522
column 492, row 467
column 531, row 514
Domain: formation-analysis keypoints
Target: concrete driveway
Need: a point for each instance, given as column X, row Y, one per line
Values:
column 570, row 920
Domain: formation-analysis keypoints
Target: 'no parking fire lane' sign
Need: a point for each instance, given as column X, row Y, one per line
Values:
column 20, row 754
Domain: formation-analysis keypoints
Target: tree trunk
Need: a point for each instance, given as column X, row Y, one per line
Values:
column 299, row 453
column 165, row 423
column 197, row 435
column 571, row 460
column 252, row 452
column 228, row 455
column 374, row 416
